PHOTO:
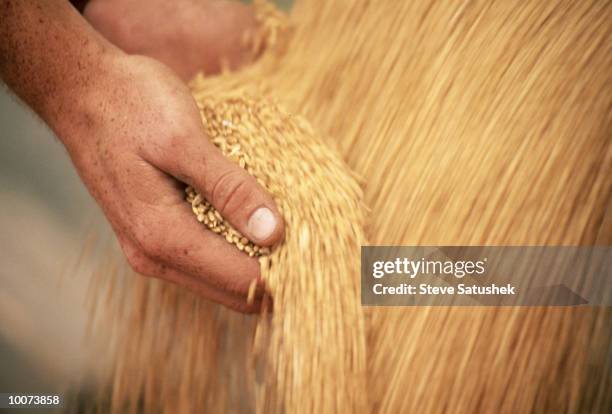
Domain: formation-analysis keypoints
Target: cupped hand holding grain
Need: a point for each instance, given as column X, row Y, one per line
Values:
column 135, row 135
column 141, row 137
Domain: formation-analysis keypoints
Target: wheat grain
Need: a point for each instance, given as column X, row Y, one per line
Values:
column 473, row 123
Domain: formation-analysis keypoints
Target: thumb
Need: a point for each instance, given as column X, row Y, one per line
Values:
column 232, row 191
column 241, row 200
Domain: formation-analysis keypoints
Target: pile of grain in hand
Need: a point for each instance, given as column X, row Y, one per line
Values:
column 316, row 338
column 472, row 123
column 211, row 218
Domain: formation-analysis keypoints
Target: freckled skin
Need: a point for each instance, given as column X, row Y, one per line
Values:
column 133, row 132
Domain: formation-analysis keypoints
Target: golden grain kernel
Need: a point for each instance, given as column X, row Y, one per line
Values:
column 252, row 289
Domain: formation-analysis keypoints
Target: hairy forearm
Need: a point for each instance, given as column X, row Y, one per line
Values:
column 49, row 55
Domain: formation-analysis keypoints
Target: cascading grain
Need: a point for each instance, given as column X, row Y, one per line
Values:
column 472, row 123
column 312, row 349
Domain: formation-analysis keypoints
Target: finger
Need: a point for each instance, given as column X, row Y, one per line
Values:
column 250, row 303
column 240, row 303
column 199, row 251
column 230, row 189
column 162, row 228
column 170, row 234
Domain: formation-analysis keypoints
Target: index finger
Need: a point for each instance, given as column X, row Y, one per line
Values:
column 197, row 251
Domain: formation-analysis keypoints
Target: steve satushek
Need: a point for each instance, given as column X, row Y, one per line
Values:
column 427, row 289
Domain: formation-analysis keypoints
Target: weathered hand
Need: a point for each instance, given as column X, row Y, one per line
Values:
column 135, row 138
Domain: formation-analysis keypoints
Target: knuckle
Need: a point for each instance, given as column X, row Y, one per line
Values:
column 153, row 247
column 165, row 148
column 138, row 261
column 173, row 142
column 232, row 191
column 149, row 240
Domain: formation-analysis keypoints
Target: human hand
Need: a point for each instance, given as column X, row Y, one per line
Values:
column 135, row 136
column 186, row 35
